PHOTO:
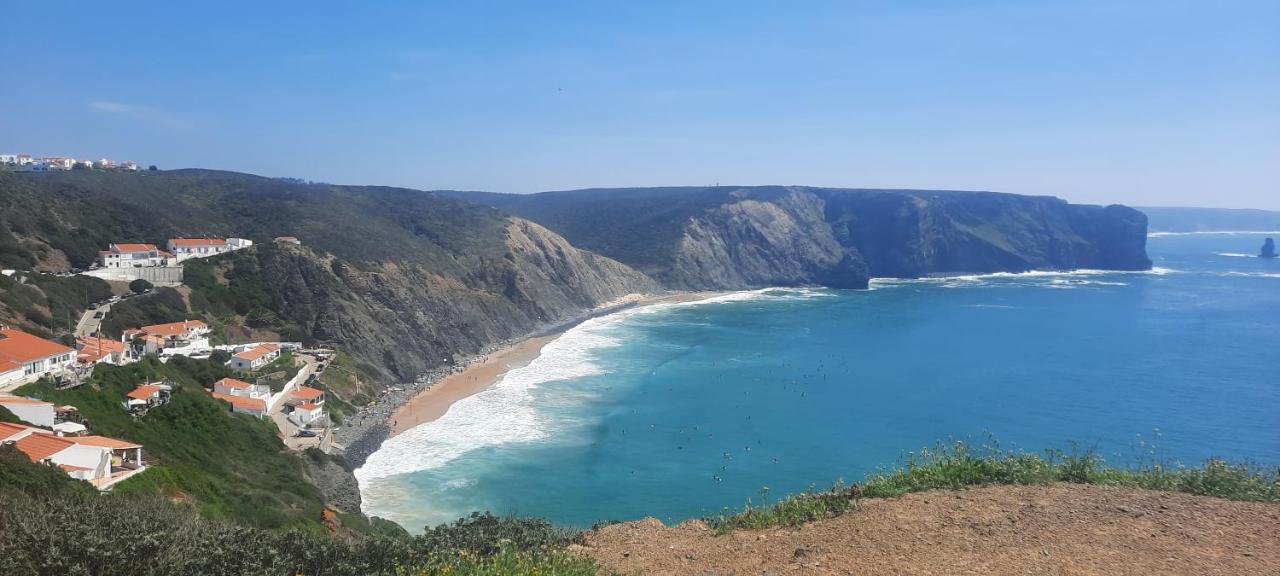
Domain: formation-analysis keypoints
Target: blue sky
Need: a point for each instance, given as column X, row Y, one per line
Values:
column 1157, row 103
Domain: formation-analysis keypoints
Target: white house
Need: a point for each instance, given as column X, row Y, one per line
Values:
column 134, row 255
column 255, row 358
column 241, row 405
column 99, row 350
column 98, row 460
column 37, row 357
column 36, row 167
column 158, row 337
column 233, row 387
column 305, row 405
column 59, row 162
column 39, row 412
column 147, row 396
column 8, row 158
column 185, row 248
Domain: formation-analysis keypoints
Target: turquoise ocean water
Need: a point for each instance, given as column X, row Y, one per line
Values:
column 678, row 410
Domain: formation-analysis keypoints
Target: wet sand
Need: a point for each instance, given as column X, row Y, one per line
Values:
column 477, row 376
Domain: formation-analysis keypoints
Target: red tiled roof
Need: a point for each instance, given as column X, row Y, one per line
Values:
column 135, row 247
column 6, row 366
column 143, row 392
column 172, row 328
column 95, row 349
column 8, row 430
column 233, row 383
column 257, row 352
column 87, row 355
column 308, row 406
column 308, row 393
column 11, row 399
column 104, row 442
column 197, row 241
column 37, row 447
column 242, row 402
column 19, row 347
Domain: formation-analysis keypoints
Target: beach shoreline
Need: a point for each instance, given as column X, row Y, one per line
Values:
column 488, row 369
column 363, row 433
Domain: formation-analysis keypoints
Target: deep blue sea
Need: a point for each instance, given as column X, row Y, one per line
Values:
column 678, row 410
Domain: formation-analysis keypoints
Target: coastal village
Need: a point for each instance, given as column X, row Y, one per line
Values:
column 272, row 380
column 28, row 163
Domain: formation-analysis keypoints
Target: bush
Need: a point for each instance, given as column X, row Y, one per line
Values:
column 139, row 286
column 957, row 466
column 486, row 534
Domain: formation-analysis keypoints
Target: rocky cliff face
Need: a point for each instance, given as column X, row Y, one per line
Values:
column 747, row 237
column 404, row 318
column 751, row 242
column 910, row 234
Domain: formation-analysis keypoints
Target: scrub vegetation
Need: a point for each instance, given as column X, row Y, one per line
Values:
column 957, row 466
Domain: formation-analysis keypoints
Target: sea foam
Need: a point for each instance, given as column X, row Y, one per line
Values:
column 507, row 412
column 1213, row 232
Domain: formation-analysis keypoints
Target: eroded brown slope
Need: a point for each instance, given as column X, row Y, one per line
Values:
column 1059, row 529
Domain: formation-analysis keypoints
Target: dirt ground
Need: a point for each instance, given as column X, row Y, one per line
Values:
column 1060, row 529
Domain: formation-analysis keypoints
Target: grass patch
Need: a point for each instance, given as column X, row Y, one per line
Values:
column 957, row 466
column 232, row 466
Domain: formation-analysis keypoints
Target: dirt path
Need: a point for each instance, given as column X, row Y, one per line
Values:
column 1059, row 530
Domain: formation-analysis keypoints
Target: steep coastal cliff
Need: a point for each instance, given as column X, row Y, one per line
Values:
column 408, row 280
column 403, row 280
column 747, row 237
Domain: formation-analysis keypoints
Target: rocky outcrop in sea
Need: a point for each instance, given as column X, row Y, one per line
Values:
column 1268, row 249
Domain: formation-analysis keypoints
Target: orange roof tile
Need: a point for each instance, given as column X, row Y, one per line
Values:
column 135, row 247
column 8, row 430
column 308, row 393
column 19, row 347
column 85, row 356
column 37, row 447
column 233, row 383
column 6, row 366
column 104, row 442
column 105, row 344
column 143, row 392
column 257, row 352
column 11, row 399
column 197, row 241
column 242, row 402
column 308, row 406
column 172, row 328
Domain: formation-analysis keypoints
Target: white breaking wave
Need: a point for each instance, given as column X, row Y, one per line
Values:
column 1210, row 232
column 502, row 414
column 973, row 280
column 1234, row 255
column 506, row 413
column 1253, row 274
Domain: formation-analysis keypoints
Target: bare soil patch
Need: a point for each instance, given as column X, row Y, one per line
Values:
column 1060, row 529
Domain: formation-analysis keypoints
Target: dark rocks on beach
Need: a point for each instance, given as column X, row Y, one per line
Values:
column 1268, row 249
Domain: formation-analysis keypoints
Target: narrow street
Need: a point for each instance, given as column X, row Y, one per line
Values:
column 90, row 324
column 287, row 428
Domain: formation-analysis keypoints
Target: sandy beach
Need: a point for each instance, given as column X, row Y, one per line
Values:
column 477, row 376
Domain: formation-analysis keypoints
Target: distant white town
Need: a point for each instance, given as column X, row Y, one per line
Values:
column 29, row 163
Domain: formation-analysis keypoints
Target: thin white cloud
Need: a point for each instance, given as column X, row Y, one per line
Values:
column 142, row 113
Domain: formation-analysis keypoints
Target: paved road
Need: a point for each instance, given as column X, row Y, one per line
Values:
column 88, row 324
